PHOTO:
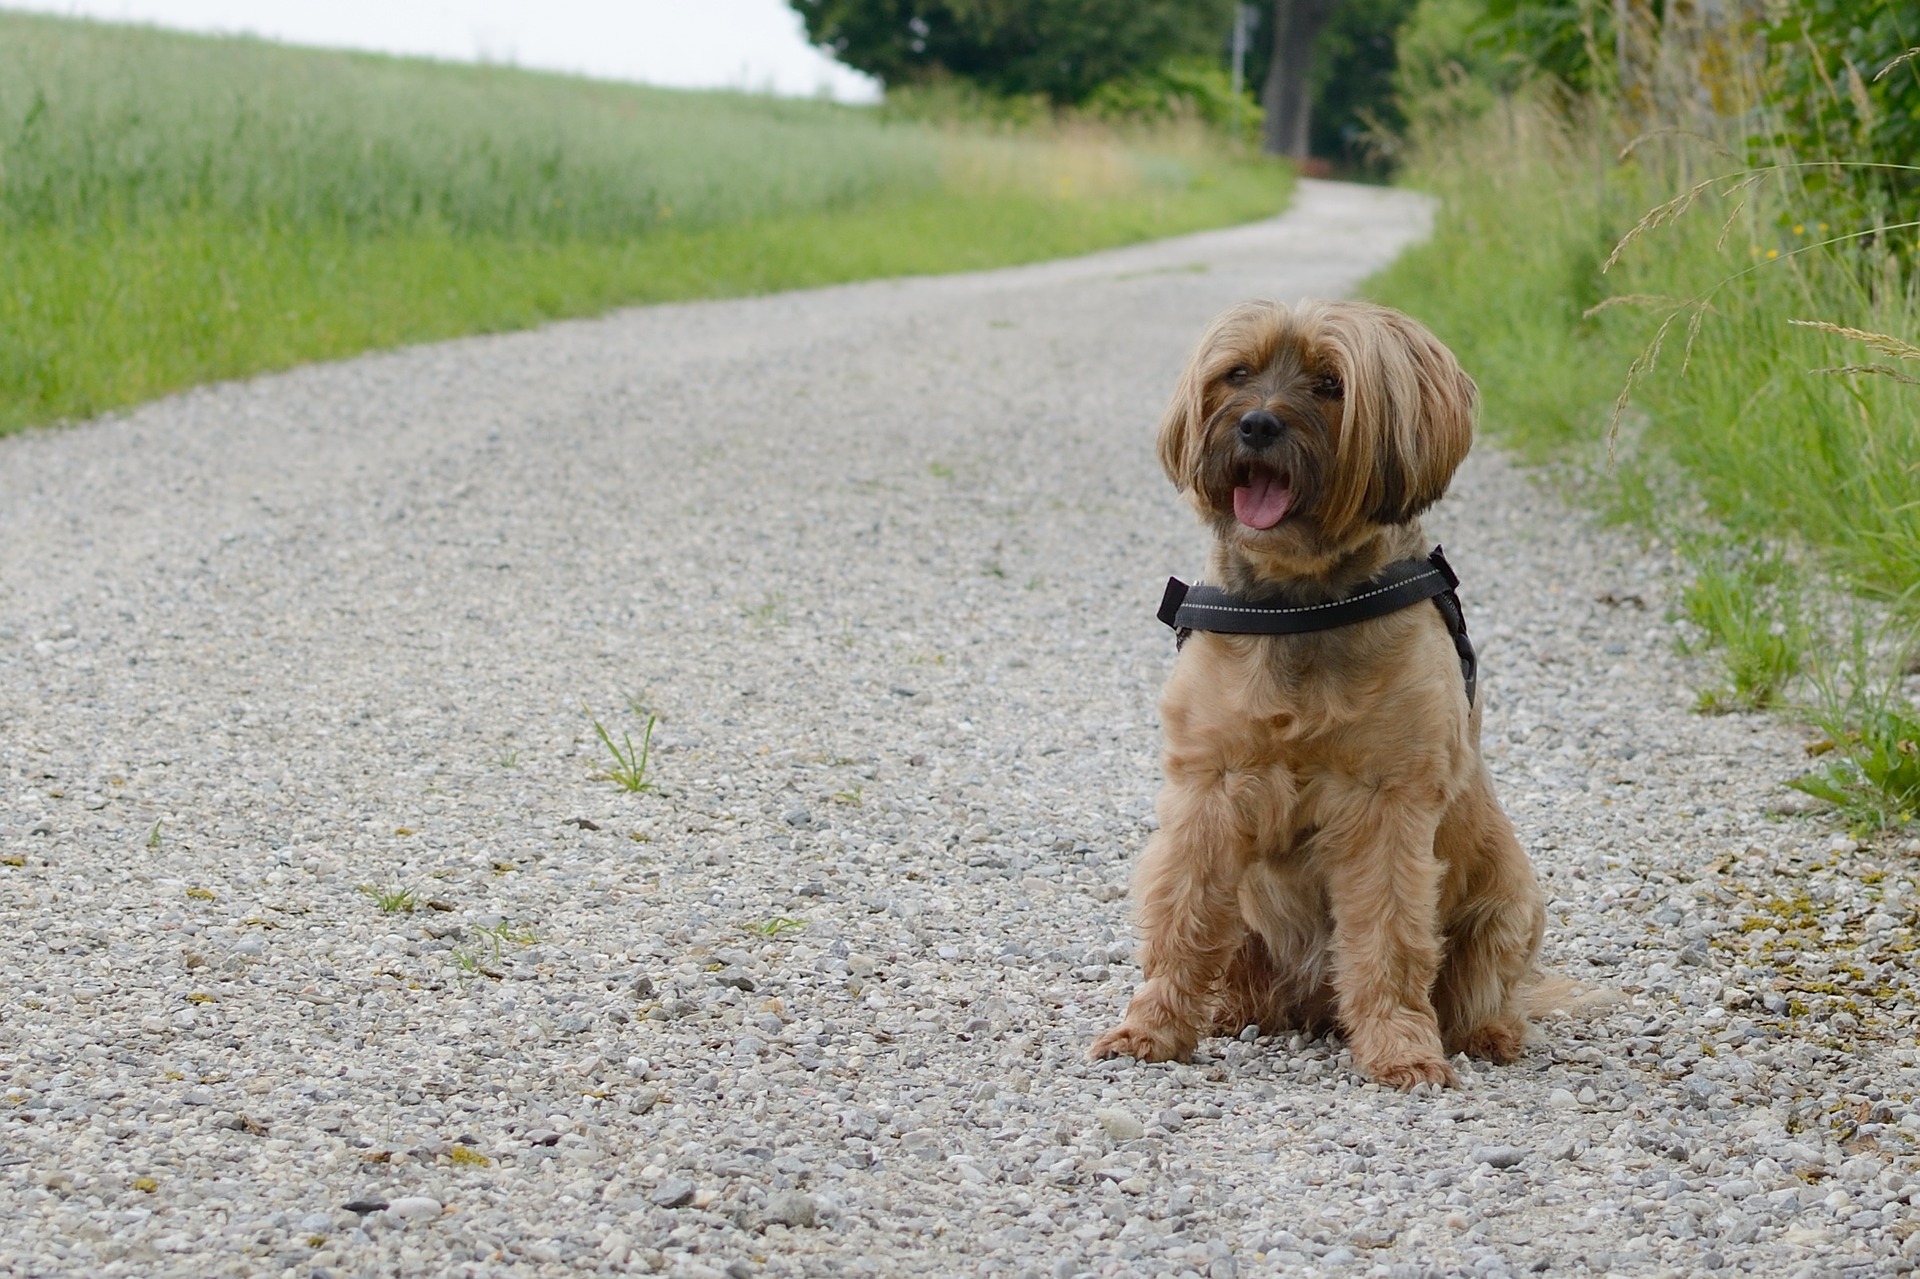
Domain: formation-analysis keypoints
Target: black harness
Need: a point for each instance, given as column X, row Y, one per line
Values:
column 1403, row 583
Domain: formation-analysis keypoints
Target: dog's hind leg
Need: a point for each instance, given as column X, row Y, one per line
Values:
column 1492, row 916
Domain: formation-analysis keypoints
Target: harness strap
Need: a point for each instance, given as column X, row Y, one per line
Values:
column 1403, row 583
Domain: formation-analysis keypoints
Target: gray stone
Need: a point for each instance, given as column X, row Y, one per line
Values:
column 1498, row 1156
column 792, row 1208
column 1120, row 1125
column 674, row 1192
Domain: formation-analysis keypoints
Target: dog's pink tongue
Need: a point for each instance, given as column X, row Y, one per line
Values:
column 1263, row 502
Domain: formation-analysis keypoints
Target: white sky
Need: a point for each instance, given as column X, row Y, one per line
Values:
column 737, row 44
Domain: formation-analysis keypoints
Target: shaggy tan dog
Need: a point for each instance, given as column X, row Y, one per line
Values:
column 1330, row 850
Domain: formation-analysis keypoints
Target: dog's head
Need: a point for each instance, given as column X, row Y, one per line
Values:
column 1297, row 432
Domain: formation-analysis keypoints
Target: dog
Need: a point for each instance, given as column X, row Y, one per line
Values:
column 1330, row 852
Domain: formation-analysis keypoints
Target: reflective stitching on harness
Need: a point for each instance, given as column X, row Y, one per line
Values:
column 1311, row 608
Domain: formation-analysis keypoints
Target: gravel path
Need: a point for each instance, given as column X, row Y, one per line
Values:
column 883, row 560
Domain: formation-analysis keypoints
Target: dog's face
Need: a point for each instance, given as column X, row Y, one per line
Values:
column 1298, row 432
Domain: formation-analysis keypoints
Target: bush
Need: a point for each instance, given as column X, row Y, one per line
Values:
column 1178, row 89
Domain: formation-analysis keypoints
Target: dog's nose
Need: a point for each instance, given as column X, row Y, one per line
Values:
column 1259, row 429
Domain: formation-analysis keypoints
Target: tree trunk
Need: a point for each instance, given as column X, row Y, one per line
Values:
column 1287, row 96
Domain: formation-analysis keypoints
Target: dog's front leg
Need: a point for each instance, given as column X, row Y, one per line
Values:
column 1187, row 887
column 1383, row 887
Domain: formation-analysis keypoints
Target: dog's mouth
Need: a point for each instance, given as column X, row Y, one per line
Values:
column 1262, row 496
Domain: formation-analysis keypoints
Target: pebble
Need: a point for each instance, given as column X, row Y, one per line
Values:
column 1121, row 1126
column 675, row 1192
column 792, row 1208
column 413, row 1207
column 1499, row 1156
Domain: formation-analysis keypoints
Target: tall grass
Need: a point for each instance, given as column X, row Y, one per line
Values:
column 1789, row 485
column 1732, row 402
column 176, row 208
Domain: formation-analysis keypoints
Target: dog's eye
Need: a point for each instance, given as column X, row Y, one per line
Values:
column 1327, row 386
column 1238, row 373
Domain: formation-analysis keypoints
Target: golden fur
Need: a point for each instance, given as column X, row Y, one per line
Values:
column 1330, row 851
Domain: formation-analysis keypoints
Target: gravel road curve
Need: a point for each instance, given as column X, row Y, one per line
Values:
column 281, row 659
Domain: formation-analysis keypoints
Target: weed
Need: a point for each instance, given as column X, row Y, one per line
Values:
column 469, row 962
column 392, row 901
column 507, row 759
column 940, row 470
column 1870, row 760
column 1747, row 605
column 629, row 769
column 468, row 1156
column 487, row 946
column 153, row 836
column 768, row 611
column 775, row 927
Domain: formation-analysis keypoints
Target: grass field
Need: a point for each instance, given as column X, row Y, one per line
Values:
column 1789, row 486
column 1737, row 415
column 175, row 209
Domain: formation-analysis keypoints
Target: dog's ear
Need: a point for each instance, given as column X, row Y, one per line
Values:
column 1181, row 424
column 1407, row 416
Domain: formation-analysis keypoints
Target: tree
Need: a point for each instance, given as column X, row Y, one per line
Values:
column 1064, row 49
column 1349, row 84
column 1287, row 96
column 1355, row 98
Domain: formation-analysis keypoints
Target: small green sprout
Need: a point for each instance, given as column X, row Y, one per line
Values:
column 392, row 901
column 629, row 769
column 489, row 944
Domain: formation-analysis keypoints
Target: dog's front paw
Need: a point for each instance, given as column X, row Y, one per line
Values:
column 1495, row 1043
column 1129, row 1039
column 1408, row 1075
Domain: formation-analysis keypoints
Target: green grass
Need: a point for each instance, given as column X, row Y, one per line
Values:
column 396, row 900
column 1745, row 605
column 1870, row 759
column 175, row 209
column 1736, row 417
column 1787, row 487
column 629, row 767
column 486, row 947
column 777, row 926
